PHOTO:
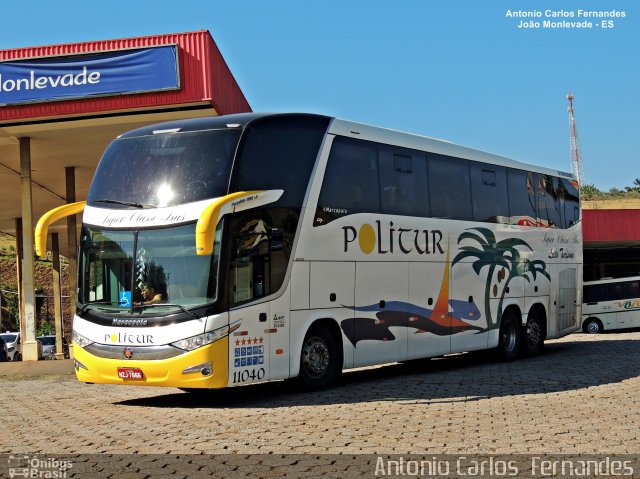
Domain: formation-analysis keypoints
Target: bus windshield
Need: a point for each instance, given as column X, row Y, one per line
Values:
column 165, row 169
column 116, row 266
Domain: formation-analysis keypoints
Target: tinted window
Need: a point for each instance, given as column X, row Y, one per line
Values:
column 489, row 193
column 350, row 183
column 403, row 181
column 279, row 153
column 522, row 200
column 569, row 201
column 548, row 201
column 595, row 293
column 634, row 290
column 165, row 169
column 260, row 248
column 618, row 291
column 449, row 187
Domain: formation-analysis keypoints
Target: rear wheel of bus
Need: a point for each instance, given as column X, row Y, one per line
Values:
column 319, row 364
column 509, row 339
column 533, row 334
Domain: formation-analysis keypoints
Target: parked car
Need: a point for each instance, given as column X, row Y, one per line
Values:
column 49, row 346
column 14, row 352
column 3, row 350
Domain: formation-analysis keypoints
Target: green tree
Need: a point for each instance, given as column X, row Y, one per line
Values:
column 635, row 187
column 590, row 192
column 10, row 309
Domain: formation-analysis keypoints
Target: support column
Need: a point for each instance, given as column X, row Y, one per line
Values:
column 57, row 295
column 29, row 343
column 19, row 276
column 72, row 241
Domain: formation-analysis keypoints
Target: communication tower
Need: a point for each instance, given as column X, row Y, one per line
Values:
column 576, row 159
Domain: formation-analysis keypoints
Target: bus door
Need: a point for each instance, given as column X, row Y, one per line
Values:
column 381, row 312
column 426, row 337
column 249, row 276
column 567, row 300
column 279, row 327
column 467, row 316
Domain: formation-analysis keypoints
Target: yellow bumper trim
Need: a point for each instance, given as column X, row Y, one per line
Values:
column 165, row 372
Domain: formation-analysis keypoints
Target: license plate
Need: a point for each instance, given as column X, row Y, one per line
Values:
column 134, row 374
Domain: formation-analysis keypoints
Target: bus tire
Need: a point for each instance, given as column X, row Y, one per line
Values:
column 592, row 326
column 509, row 339
column 318, row 361
column 533, row 335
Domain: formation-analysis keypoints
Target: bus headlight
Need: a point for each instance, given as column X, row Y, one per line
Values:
column 80, row 340
column 200, row 340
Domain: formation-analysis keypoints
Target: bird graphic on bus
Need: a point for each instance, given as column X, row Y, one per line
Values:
column 504, row 261
column 440, row 320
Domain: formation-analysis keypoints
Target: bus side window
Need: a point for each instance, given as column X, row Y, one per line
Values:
column 489, row 193
column 250, row 258
column 571, row 202
column 522, row 198
column 449, row 187
column 403, row 181
column 548, row 201
column 350, row 183
column 634, row 290
column 595, row 293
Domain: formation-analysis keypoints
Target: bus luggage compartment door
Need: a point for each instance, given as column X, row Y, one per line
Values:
column 567, row 298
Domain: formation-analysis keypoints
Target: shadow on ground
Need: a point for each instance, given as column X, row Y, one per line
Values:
column 564, row 366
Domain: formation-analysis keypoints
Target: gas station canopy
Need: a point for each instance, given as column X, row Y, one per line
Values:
column 71, row 100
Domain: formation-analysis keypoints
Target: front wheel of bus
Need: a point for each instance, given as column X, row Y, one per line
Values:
column 509, row 341
column 318, row 361
column 592, row 326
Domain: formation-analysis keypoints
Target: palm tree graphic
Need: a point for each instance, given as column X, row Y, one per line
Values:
column 502, row 255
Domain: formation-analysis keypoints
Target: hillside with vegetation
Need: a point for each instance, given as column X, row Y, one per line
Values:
column 43, row 271
column 590, row 192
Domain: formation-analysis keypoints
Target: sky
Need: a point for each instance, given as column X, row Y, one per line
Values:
column 459, row 70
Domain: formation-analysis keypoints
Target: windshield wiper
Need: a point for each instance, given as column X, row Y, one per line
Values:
column 124, row 203
column 159, row 305
column 86, row 306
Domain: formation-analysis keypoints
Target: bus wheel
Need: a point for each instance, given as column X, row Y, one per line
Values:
column 509, row 342
column 592, row 326
column 533, row 340
column 319, row 360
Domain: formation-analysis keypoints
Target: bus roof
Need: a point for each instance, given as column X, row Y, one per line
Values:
column 350, row 129
column 433, row 145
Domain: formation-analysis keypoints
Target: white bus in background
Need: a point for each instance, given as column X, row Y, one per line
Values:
column 611, row 304
column 224, row 251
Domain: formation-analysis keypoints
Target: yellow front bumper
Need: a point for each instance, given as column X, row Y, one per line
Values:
column 165, row 372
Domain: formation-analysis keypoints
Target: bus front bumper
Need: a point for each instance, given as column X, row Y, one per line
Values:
column 205, row 367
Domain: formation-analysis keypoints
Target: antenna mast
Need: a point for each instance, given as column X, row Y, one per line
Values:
column 576, row 159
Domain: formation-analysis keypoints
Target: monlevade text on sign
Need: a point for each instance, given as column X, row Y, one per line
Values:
column 34, row 82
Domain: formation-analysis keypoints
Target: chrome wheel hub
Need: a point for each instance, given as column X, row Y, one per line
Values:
column 315, row 357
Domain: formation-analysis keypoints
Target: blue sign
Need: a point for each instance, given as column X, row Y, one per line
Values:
column 125, row 299
column 99, row 74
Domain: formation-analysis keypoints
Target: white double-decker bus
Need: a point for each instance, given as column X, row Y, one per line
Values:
column 238, row 249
